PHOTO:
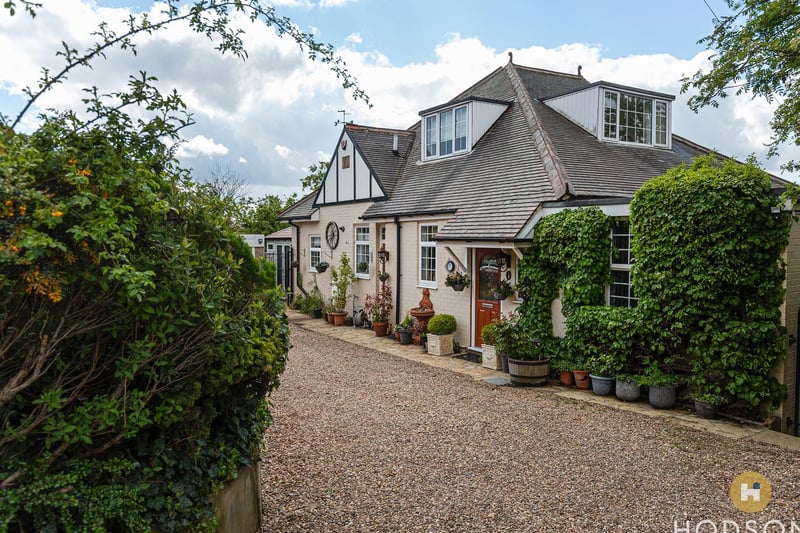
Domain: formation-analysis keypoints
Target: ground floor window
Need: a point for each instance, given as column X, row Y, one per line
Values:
column 362, row 251
column 621, row 291
column 315, row 251
column 427, row 255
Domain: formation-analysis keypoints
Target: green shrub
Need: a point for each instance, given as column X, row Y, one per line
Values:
column 709, row 275
column 443, row 324
column 489, row 333
column 514, row 340
column 140, row 332
column 603, row 338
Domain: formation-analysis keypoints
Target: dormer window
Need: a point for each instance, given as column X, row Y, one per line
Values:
column 446, row 132
column 630, row 118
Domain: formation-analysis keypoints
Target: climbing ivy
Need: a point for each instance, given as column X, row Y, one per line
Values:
column 570, row 251
column 709, row 275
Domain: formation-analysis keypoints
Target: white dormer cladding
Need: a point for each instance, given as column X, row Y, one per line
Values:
column 615, row 113
column 454, row 128
column 349, row 177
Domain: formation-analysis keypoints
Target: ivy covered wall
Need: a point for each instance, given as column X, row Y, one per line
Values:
column 707, row 271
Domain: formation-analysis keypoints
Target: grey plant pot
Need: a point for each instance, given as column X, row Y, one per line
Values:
column 601, row 385
column 662, row 397
column 628, row 391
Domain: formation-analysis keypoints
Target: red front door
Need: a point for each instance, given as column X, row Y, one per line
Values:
column 486, row 277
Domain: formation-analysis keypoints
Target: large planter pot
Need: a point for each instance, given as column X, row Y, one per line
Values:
column 582, row 380
column 565, row 378
column 705, row 409
column 380, row 328
column 440, row 344
column 661, row 397
column 628, row 391
column 602, row 385
column 405, row 336
column 490, row 358
column 338, row 318
column 528, row 372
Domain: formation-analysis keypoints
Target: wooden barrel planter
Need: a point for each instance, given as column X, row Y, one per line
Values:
column 528, row 372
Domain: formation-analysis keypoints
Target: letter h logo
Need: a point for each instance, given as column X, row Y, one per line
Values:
column 754, row 493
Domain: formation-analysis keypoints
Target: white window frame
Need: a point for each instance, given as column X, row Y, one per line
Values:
column 610, row 130
column 432, row 145
column 618, row 266
column 312, row 250
column 361, row 250
column 425, row 247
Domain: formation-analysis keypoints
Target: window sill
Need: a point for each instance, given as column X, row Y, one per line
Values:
column 362, row 276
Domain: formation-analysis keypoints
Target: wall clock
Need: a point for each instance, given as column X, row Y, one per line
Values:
column 332, row 234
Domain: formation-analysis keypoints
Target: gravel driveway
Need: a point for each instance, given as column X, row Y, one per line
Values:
column 365, row 441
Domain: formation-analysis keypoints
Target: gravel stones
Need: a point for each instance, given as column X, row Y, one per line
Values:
column 366, row 441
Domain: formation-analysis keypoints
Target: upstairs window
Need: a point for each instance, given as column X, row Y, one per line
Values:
column 634, row 119
column 446, row 132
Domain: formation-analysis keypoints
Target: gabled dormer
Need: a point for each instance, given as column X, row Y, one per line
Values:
column 455, row 127
column 619, row 114
column 362, row 166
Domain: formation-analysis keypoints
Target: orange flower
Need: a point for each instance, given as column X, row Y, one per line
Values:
column 73, row 162
column 8, row 203
column 23, row 210
column 56, row 213
column 84, row 172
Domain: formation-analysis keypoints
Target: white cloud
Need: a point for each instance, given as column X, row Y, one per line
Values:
column 354, row 38
column 278, row 99
column 282, row 151
column 199, row 146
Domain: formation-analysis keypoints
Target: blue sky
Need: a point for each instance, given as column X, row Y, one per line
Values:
column 269, row 118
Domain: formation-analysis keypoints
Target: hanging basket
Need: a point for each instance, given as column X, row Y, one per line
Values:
column 458, row 288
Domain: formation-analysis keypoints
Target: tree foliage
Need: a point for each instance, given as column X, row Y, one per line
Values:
column 757, row 52
column 139, row 338
column 316, row 173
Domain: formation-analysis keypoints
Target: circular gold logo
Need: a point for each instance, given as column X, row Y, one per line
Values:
column 750, row 492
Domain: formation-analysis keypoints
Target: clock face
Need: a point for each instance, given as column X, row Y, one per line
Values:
column 332, row 235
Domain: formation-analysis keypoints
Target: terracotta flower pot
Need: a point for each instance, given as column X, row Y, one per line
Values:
column 582, row 380
column 565, row 378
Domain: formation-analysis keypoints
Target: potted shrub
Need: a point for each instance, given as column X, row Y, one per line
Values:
column 341, row 279
column 603, row 368
column 440, row 334
column 527, row 364
column 706, row 404
column 378, row 308
column 502, row 290
column 662, row 385
column 489, row 336
column 313, row 304
column 404, row 329
column 628, row 387
column 457, row 280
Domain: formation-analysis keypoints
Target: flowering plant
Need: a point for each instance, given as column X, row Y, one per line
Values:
column 379, row 306
column 457, row 278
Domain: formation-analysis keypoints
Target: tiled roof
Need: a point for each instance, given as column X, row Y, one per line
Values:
column 285, row 233
column 531, row 154
column 376, row 146
column 300, row 210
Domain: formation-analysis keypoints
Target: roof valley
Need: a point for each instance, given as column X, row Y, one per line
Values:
column 556, row 172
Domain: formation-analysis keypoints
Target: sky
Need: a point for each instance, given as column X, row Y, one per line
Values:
column 265, row 120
